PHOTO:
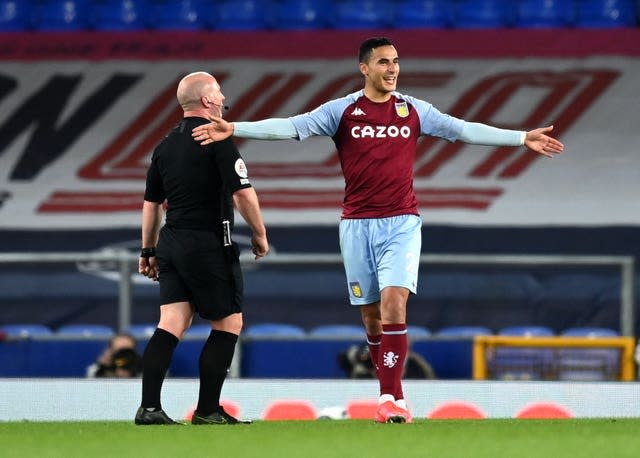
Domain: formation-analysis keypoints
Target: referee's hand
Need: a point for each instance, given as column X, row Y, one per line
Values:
column 148, row 267
column 259, row 246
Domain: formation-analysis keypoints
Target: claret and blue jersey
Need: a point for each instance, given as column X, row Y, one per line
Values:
column 376, row 143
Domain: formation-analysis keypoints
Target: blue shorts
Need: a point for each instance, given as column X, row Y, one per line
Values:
column 380, row 252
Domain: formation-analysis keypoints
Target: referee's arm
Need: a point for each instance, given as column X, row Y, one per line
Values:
column 246, row 201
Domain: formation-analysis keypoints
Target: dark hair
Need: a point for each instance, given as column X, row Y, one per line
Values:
column 369, row 45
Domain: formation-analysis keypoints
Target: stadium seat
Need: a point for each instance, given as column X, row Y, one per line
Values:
column 142, row 331
column 15, row 15
column 588, row 364
column 463, row 331
column 338, row 330
column 120, row 15
column 242, row 14
column 199, row 330
column 435, row 14
column 182, row 15
column 85, row 330
column 362, row 14
column 273, row 329
column 25, row 330
column 526, row 331
column 415, row 331
column 301, row 14
column 483, row 14
column 62, row 16
column 605, row 13
column 289, row 410
column 544, row 13
column 522, row 363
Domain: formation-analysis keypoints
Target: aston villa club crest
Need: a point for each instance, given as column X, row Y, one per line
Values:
column 355, row 289
column 402, row 109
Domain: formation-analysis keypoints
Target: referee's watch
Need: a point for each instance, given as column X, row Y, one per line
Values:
column 148, row 252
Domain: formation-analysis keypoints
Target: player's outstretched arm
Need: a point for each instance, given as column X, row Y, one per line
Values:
column 218, row 129
column 538, row 141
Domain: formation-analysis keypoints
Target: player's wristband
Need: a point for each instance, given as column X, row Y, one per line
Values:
column 148, row 252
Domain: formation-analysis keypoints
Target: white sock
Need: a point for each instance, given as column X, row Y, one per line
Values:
column 384, row 398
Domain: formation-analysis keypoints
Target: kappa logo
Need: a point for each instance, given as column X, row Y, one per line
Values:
column 389, row 359
column 358, row 112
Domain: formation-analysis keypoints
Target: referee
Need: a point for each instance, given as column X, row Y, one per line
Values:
column 192, row 255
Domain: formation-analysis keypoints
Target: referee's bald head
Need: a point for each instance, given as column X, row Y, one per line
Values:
column 192, row 88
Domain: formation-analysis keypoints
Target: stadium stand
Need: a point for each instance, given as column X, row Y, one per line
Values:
column 273, row 329
column 301, row 14
column 544, row 13
column 463, row 331
column 432, row 14
column 606, row 13
column 25, row 330
column 242, row 15
column 182, row 14
column 366, row 14
column 483, row 14
column 15, row 15
column 119, row 15
column 62, row 15
column 85, row 330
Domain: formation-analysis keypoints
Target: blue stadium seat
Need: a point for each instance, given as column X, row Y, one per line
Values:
column 15, row 15
column 606, row 13
column 463, row 331
column 362, row 14
column 589, row 331
column 242, row 14
column 338, row 330
column 199, row 330
column 119, row 15
column 435, row 14
column 182, row 14
column 85, row 330
column 25, row 330
column 62, row 16
column 544, row 13
column 142, row 331
column 273, row 329
column 301, row 14
column 414, row 331
column 588, row 364
column 483, row 14
column 526, row 331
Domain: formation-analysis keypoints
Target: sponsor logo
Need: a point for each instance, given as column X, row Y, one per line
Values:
column 380, row 131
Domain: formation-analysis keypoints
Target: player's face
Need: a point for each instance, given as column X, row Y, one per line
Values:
column 381, row 71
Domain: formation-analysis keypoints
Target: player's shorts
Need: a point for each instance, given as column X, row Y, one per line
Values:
column 195, row 267
column 380, row 252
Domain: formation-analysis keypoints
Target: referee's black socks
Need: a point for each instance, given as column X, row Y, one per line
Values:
column 155, row 364
column 215, row 361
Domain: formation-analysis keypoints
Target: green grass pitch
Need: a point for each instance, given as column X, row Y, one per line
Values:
column 327, row 438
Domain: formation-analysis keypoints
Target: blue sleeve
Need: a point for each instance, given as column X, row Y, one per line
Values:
column 435, row 123
column 323, row 121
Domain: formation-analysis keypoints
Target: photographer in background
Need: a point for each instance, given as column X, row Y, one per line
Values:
column 120, row 359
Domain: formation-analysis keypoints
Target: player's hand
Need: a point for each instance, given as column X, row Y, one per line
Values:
column 538, row 141
column 218, row 129
column 259, row 246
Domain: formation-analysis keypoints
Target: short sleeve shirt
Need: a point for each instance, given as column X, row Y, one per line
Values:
column 197, row 181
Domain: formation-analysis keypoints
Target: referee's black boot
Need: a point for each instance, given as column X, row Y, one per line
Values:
column 219, row 417
column 153, row 417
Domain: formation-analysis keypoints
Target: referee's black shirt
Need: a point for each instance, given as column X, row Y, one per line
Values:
column 197, row 181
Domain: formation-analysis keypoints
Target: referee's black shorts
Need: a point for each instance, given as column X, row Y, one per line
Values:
column 195, row 267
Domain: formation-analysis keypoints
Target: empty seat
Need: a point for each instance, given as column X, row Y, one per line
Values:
column 588, row 364
column 25, row 330
column 338, row 330
column 362, row 14
column 62, row 15
column 483, row 14
column 605, row 13
column 416, row 331
column 544, row 13
column 182, row 14
column 526, row 331
column 199, row 330
column 242, row 15
column 464, row 331
column 85, row 330
column 142, row 331
column 523, row 363
column 301, row 14
column 273, row 329
column 119, row 15
column 422, row 14
column 15, row 15
column 589, row 331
